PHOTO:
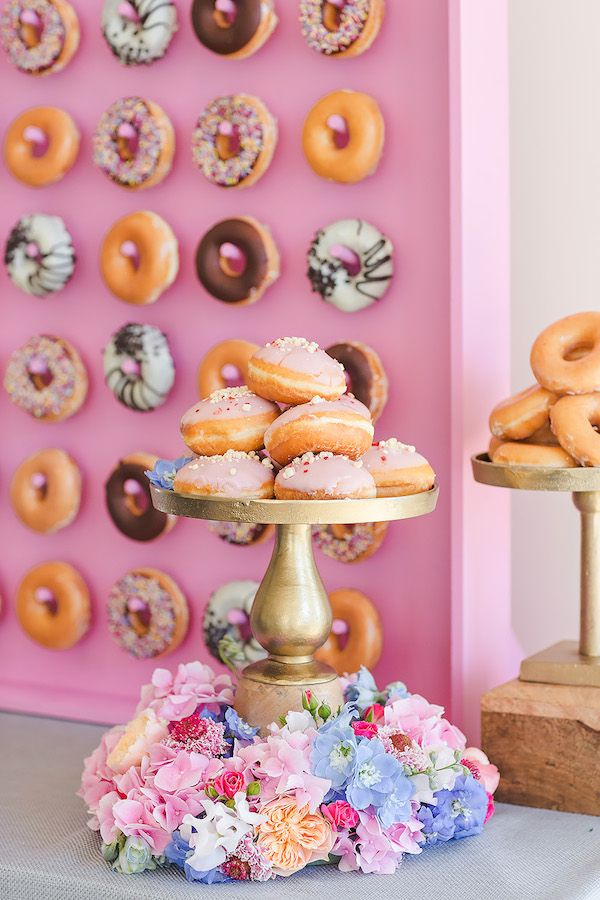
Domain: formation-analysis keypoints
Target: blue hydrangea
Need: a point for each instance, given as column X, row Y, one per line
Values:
column 466, row 805
column 396, row 690
column 238, row 727
column 438, row 826
column 333, row 753
column 164, row 471
column 378, row 780
column 363, row 692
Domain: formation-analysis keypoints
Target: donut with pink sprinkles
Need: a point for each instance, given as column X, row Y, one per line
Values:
column 147, row 613
column 46, row 378
column 39, row 36
column 340, row 27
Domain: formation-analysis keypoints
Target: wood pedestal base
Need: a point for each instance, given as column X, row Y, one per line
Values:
column 545, row 739
column 260, row 703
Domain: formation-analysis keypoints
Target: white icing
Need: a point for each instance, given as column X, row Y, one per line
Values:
column 148, row 347
column 135, row 43
column 53, row 266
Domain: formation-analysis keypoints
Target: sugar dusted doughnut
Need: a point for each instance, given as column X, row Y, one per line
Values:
column 350, row 543
column 233, row 28
column 356, row 617
column 45, row 490
column 341, row 426
column 242, row 534
column 398, row 469
column 39, row 36
column 227, row 615
column 324, row 477
column 294, row 370
column 138, row 367
column 565, row 357
column 232, row 474
column 139, row 258
column 521, row 415
column 574, row 422
column 53, row 605
column 365, row 374
column 513, row 453
column 41, row 145
column 129, row 501
column 139, row 31
column 46, row 378
column 39, row 255
column 341, row 29
column 223, row 358
column 233, row 418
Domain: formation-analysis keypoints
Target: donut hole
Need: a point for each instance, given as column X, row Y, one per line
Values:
column 31, row 28
column 228, row 142
column 232, row 260
column 578, row 351
column 348, row 258
column 128, row 12
column 231, row 375
column 225, row 13
column 136, row 498
column 332, row 15
column 39, row 483
column 127, row 140
column 139, row 615
column 341, row 630
column 37, row 139
column 44, row 596
column 39, row 373
column 340, row 131
column 130, row 251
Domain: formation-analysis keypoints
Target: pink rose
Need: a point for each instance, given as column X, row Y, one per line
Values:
column 340, row 814
column 365, row 729
column 374, row 713
column 229, row 783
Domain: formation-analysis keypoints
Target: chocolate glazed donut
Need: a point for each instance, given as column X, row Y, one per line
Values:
column 368, row 381
column 261, row 261
column 231, row 37
column 129, row 501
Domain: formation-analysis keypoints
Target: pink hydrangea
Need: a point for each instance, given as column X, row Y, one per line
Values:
column 97, row 779
column 372, row 850
column 424, row 722
column 408, row 835
column 135, row 817
column 175, row 697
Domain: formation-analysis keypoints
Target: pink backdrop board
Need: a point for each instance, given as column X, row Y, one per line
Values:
column 408, row 198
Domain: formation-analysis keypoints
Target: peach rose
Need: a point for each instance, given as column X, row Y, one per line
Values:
column 292, row 836
column 140, row 734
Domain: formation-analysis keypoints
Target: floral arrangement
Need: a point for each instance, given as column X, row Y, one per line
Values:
column 188, row 783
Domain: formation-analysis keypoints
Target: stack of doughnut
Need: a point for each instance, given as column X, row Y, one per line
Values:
column 554, row 422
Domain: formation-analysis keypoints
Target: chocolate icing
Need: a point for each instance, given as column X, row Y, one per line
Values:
column 147, row 525
column 232, row 289
column 226, row 40
column 357, row 369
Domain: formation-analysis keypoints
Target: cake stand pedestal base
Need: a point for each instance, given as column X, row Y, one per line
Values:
column 562, row 664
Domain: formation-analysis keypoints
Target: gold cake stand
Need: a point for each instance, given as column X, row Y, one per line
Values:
column 566, row 662
column 291, row 614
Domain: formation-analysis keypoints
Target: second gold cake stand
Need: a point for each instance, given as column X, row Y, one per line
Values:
column 291, row 615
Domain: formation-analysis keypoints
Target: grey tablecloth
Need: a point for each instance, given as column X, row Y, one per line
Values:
column 46, row 850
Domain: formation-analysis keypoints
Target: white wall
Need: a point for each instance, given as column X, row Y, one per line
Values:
column 555, row 195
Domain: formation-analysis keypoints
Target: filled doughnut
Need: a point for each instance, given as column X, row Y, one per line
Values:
column 46, row 378
column 224, row 364
column 356, row 637
column 520, row 416
column 227, row 616
column 41, row 145
column 39, row 255
column 513, row 453
column 234, row 141
column 139, row 258
column 242, row 534
column 39, row 36
column 350, row 264
column 233, row 28
column 129, row 502
column 139, row 31
column 231, row 419
column 574, row 422
column 350, row 543
column 340, row 28
column 231, row 474
column 147, row 613
column 324, row 477
column 134, row 143
column 365, row 374
column 398, row 469
column 237, row 260
column 294, row 370
column 341, row 426
column 138, row 367
column 343, row 136
column 45, row 490
column 53, row 605
column 565, row 357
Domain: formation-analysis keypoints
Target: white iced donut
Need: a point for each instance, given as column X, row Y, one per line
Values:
column 228, row 615
column 39, row 255
column 139, row 31
column 350, row 264
column 138, row 366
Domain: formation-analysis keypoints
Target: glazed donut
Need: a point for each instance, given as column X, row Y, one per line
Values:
column 565, row 357
column 139, row 31
column 231, row 474
column 39, row 255
column 350, row 543
column 46, row 378
column 39, row 36
column 134, row 143
column 513, row 453
column 398, row 469
column 233, row 28
column 341, row 29
column 41, row 145
column 147, row 613
column 237, row 260
column 343, row 136
column 139, row 258
column 242, row 534
column 544, row 436
column 324, row 477
column 227, row 614
column 294, row 370
column 45, row 491
column 129, row 501
column 53, row 605
column 355, row 616
column 341, row 426
column 365, row 374
column 574, row 422
column 350, row 264
column 231, row 419
column 493, row 445
column 138, row 367
column 234, row 141
column 519, row 416
column 224, row 358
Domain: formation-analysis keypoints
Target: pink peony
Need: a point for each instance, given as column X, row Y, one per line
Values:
column 481, row 768
column 229, row 783
column 340, row 814
column 424, row 723
column 365, row 729
column 176, row 696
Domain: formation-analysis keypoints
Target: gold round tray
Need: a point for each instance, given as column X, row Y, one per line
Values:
column 534, row 478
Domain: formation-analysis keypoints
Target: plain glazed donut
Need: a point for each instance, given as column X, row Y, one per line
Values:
column 129, row 501
column 364, row 641
column 41, row 145
column 45, row 491
column 398, row 469
column 139, row 31
column 565, row 357
column 147, row 613
column 139, row 258
column 523, row 414
column 39, row 255
column 294, row 370
column 227, row 615
column 242, row 534
column 232, row 474
column 39, row 36
column 343, row 136
column 231, row 419
column 573, row 422
column 232, row 354
column 350, row 543
column 365, row 374
column 46, row 378
column 53, row 605
column 521, row 454
column 138, row 366
column 237, row 260
column 233, row 28
column 324, row 477
column 341, row 30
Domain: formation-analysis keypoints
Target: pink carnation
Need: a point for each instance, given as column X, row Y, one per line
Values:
column 175, row 697
column 424, row 723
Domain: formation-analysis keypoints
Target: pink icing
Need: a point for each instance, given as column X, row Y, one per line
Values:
column 236, row 404
column 325, row 472
column 347, row 403
column 299, row 358
column 392, row 457
column 231, row 475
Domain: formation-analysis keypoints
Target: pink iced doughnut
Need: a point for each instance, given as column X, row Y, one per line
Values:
column 232, row 474
column 324, row 477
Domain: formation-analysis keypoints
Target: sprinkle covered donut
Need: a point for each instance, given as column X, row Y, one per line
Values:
column 365, row 374
column 129, row 502
column 45, row 491
column 227, row 616
column 350, row 543
column 231, row 474
column 324, row 477
column 226, row 361
column 340, row 28
column 53, row 605
column 41, row 145
column 138, row 366
column 39, row 255
column 231, row 419
column 398, row 469
column 139, row 31
column 233, row 28
column 294, row 370
column 39, row 36
column 242, row 534
column 46, row 378
column 147, row 613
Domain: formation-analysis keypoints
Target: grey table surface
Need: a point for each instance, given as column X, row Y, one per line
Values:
column 47, row 851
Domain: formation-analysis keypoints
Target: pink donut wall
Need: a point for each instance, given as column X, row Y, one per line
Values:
column 409, row 578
